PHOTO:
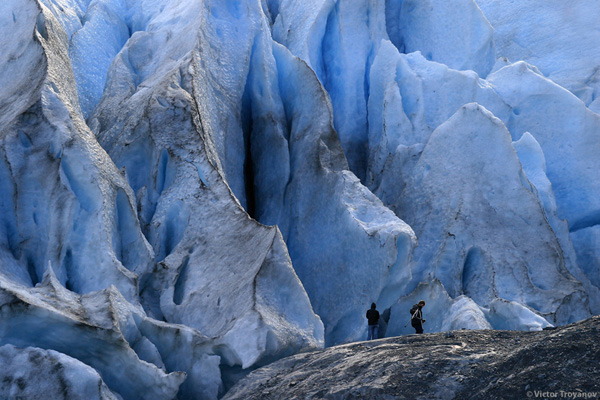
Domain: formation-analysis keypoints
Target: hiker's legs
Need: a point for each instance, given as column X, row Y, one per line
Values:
column 418, row 326
column 372, row 332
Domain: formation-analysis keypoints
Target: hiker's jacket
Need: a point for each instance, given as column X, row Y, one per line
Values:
column 417, row 315
column 373, row 316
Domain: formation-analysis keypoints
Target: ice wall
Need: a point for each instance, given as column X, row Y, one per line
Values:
column 158, row 225
column 197, row 188
column 434, row 62
column 552, row 36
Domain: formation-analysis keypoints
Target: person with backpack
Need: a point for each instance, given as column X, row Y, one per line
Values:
column 416, row 319
column 373, row 318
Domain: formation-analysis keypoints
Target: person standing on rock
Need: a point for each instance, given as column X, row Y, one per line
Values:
column 416, row 319
column 373, row 318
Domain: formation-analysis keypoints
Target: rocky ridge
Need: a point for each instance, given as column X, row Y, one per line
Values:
column 464, row 364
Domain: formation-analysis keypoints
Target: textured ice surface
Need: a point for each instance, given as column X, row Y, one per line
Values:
column 194, row 189
column 220, row 272
column 37, row 373
column 339, row 234
column 410, row 97
column 22, row 62
column 96, row 329
column 441, row 312
column 466, row 186
column 567, row 132
column 453, row 33
column 587, row 243
column 534, row 165
column 338, row 40
column 77, row 215
column 558, row 38
column 64, row 202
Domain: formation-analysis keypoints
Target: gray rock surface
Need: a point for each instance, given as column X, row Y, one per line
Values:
column 463, row 364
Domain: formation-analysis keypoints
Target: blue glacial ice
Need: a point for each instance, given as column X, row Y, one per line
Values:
column 431, row 27
column 552, row 37
column 190, row 190
column 38, row 373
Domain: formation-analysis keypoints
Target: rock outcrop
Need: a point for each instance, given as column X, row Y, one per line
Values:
column 462, row 364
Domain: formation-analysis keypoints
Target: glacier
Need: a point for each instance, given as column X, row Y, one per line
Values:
column 190, row 190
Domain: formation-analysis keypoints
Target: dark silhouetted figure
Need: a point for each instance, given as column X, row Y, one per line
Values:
column 416, row 319
column 373, row 318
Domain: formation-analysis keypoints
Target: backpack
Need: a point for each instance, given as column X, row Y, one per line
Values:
column 413, row 310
